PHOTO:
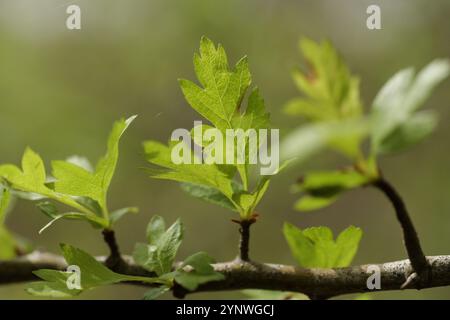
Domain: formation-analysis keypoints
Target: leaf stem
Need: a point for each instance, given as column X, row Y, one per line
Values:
column 411, row 240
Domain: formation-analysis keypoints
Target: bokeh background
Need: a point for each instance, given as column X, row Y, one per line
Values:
column 60, row 91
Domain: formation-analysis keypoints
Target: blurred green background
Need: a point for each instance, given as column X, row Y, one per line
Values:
column 60, row 91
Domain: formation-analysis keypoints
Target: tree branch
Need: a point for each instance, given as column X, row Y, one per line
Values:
column 410, row 237
column 325, row 283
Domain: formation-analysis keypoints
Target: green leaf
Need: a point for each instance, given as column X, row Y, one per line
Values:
column 330, row 91
column 158, row 256
column 155, row 229
column 204, row 174
column 316, row 183
column 201, row 271
column 211, row 195
column 413, row 131
column 255, row 115
column 223, row 89
column 31, row 178
column 76, row 184
column 311, row 203
column 307, row 141
column 106, row 166
column 116, row 215
column 323, row 188
column 75, row 180
column 48, row 208
column 400, row 97
column 92, row 274
column 315, row 247
column 218, row 98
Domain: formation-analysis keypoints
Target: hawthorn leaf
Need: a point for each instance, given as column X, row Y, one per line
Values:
column 401, row 96
column 116, row 215
column 324, row 187
column 75, row 180
column 223, row 89
column 307, row 141
column 92, row 274
column 209, row 175
column 314, row 182
column 315, row 248
column 158, row 256
column 330, row 90
column 311, row 203
column 201, row 271
column 155, row 229
column 31, row 178
column 106, row 166
column 81, row 162
column 212, row 195
column 413, row 131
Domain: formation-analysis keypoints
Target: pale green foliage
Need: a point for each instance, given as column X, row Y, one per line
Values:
column 332, row 106
column 72, row 184
column 323, row 188
column 92, row 274
column 315, row 247
column 396, row 124
column 330, row 94
column 158, row 255
column 219, row 99
column 202, row 271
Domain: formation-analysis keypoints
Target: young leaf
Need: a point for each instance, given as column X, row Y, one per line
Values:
column 219, row 100
column 203, row 174
column 92, row 274
column 223, row 89
column 201, row 272
column 75, row 184
column 159, row 254
column 211, row 195
column 315, row 247
column 398, row 100
column 307, row 141
column 116, row 215
column 75, row 180
column 323, row 188
column 311, row 203
column 331, row 92
column 414, row 130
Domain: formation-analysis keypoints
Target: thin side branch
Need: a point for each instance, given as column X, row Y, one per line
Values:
column 244, row 242
column 114, row 258
column 410, row 237
column 250, row 275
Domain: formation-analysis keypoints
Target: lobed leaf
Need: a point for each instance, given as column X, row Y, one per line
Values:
column 315, row 247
